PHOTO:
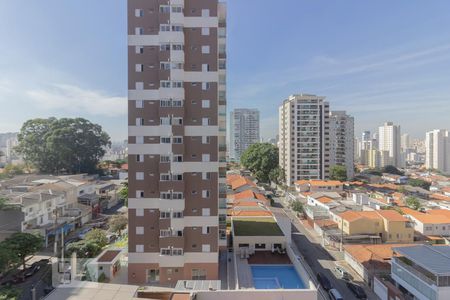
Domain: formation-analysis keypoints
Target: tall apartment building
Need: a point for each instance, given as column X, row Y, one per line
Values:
column 437, row 150
column 389, row 140
column 244, row 131
column 342, row 134
column 304, row 144
column 177, row 127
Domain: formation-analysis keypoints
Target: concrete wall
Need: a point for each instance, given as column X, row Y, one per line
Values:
column 252, row 240
column 258, row 294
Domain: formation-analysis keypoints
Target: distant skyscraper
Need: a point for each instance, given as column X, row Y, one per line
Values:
column 405, row 142
column 304, row 144
column 244, row 124
column 389, row 140
column 437, row 144
column 366, row 136
column 342, row 138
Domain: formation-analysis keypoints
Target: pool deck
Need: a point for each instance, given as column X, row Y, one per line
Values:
column 269, row 258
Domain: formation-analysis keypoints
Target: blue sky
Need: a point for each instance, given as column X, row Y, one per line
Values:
column 379, row 60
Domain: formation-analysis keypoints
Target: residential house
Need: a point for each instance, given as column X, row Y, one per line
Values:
column 431, row 223
column 319, row 186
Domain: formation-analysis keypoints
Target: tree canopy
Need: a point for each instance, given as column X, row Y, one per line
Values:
column 392, row 170
column 419, row 183
column 23, row 245
column 261, row 159
column 98, row 237
column 338, row 172
column 117, row 223
column 84, row 249
column 413, row 203
column 62, row 145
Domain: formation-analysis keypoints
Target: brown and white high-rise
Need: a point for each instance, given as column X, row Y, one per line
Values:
column 177, row 121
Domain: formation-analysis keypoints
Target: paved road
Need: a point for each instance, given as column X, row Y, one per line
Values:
column 315, row 255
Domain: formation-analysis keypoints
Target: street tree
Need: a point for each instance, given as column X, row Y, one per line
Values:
column 297, row 206
column 338, row 172
column 413, row 203
column 117, row 223
column 123, row 193
column 84, row 249
column 97, row 236
column 261, row 159
column 62, row 145
column 7, row 257
column 23, row 245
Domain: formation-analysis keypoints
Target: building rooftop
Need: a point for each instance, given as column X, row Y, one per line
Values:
column 433, row 258
column 429, row 217
column 256, row 227
column 108, row 256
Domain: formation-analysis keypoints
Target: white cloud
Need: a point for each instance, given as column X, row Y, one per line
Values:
column 74, row 99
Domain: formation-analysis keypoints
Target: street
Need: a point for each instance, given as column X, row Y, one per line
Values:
column 318, row 258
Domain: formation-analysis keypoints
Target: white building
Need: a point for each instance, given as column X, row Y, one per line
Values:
column 389, row 140
column 304, row 144
column 437, row 149
column 342, row 132
column 244, row 124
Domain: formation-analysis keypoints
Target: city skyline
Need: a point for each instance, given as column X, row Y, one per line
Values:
column 394, row 75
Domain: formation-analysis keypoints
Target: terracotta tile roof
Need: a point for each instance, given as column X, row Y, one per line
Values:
column 108, row 256
column 350, row 216
column 232, row 177
column 261, row 197
column 389, row 186
column 446, row 189
column 251, row 213
column 326, row 223
column 325, row 182
column 124, row 167
column 240, row 182
column 244, row 194
column 246, row 203
column 369, row 253
column 427, row 218
column 443, row 212
column 301, row 182
column 392, row 215
column 439, row 197
column 324, row 199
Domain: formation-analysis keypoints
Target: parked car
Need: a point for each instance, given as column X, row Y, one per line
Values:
column 335, row 295
column 324, row 281
column 342, row 273
column 111, row 238
column 32, row 270
column 83, row 233
column 357, row 290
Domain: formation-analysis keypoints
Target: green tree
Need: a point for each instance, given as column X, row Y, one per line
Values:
column 260, row 159
column 392, row 170
column 338, row 172
column 10, row 293
column 13, row 170
column 97, row 236
column 23, row 245
column 7, row 257
column 419, row 183
column 413, row 203
column 277, row 175
column 62, row 145
column 117, row 223
column 297, row 206
column 123, row 193
column 84, row 249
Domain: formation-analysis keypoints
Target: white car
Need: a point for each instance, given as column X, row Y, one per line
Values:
column 342, row 273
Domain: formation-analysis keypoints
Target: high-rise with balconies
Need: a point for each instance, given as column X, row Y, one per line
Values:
column 389, row 140
column 176, row 121
column 244, row 131
column 304, row 143
column 437, row 150
column 342, row 134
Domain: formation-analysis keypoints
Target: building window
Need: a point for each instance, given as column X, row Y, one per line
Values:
column 177, row 177
column 205, row 31
column 206, row 157
column 138, row 12
column 206, row 139
column 177, row 9
column 165, row 251
column 205, row 12
column 165, row 9
column 139, row 212
column 178, row 158
column 140, row 230
column 164, row 27
column 164, row 177
column 139, row 121
column 139, row 50
column 206, row 230
column 139, row 31
column 139, row 140
column 164, row 158
column 205, row 49
column 139, row 68
column 139, row 175
column 205, row 121
column 139, row 157
column 206, row 175
column 178, row 140
column 139, row 248
column 206, row 104
column 260, row 246
column 139, row 85
column 165, row 140
column 164, row 121
column 206, row 86
column 139, row 194
column 198, row 274
column 205, row 194
column 164, row 215
column 206, row 248
column 206, row 212
column 139, row 104
column 152, row 275
column 177, row 215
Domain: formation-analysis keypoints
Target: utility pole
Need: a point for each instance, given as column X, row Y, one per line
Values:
column 55, row 245
column 342, row 234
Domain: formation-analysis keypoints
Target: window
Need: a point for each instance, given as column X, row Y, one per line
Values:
column 165, row 195
column 139, row 175
column 164, row 177
column 177, row 103
column 152, row 275
column 164, row 65
column 164, row 215
column 177, row 28
column 139, row 194
column 206, row 230
column 177, row 9
column 206, row 212
column 260, row 246
column 205, row 67
column 177, row 84
column 205, row 49
column 164, row 47
column 205, row 12
column 139, row 85
column 206, row 86
column 165, row 84
column 140, row 230
column 177, row 196
column 139, row 31
column 139, row 68
column 164, row 158
column 177, row 251
column 205, row 31
column 139, row 212
column 205, row 103
column 178, row 158
column 178, row 140
column 198, row 274
column 164, row 9
column 177, row 177
column 206, row 175
column 165, row 251
column 177, row 121
column 206, row 248
column 138, row 12
column 139, row 104
column 164, row 27
column 206, row 157
column 165, row 140
column 177, row 214
column 205, row 194
column 139, row 248
column 139, row 121
column 206, row 139
column 164, row 121
column 139, row 50
column 205, row 121
column 177, row 47
column 139, row 157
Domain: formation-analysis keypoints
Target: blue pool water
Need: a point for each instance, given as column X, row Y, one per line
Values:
column 276, row 277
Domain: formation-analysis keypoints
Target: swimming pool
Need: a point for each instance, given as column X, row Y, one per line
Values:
column 276, row 277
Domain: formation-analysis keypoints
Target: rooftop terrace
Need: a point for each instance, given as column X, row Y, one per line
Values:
column 256, row 227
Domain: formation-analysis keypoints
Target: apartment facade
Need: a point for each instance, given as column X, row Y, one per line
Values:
column 389, row 139
column 244, row 125
column 437, row 150
column 177, row 148
column 304, row 138
column 342, row 134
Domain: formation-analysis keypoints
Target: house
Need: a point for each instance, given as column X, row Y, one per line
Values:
column 391, row 226
column 319, row 186
column 432, row 222
column 423, row 271
column 241, row 184
column 393, row 178
column 107, row 263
